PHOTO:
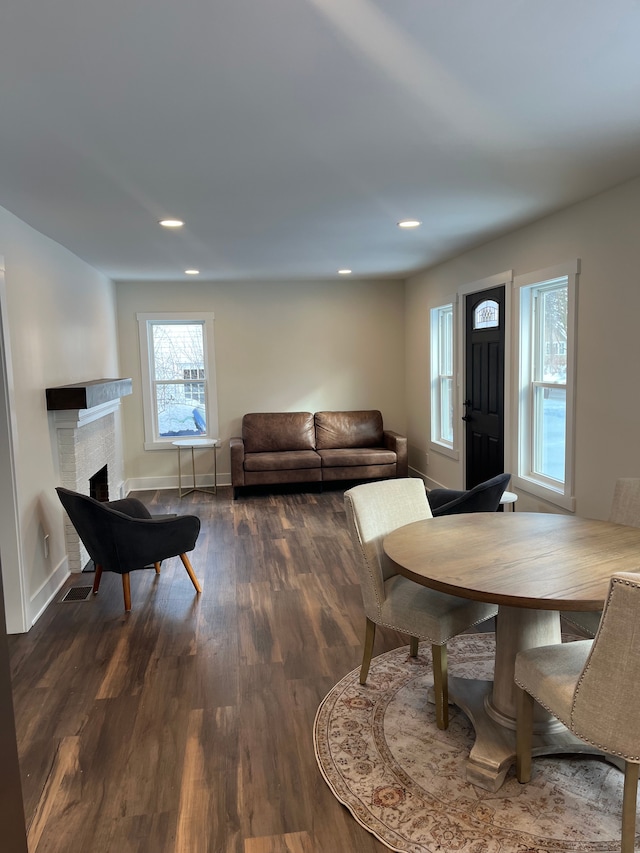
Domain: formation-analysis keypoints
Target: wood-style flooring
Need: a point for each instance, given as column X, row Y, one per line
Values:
column 186, row 725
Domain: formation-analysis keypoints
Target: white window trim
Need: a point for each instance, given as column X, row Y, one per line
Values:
column 564, row 496
column 151, row 442
column 445, row 448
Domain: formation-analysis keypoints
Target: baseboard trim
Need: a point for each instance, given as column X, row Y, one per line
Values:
column 43, row 597
column 146, row 484
column 428, row 481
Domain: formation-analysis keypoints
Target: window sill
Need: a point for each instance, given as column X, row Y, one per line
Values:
column 443, row 449
column 167, row 444
column 531, row 487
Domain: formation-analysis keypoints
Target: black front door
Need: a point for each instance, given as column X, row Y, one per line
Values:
column 484, row 385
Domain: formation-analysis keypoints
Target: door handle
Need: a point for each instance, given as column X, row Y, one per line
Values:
column 466, row 418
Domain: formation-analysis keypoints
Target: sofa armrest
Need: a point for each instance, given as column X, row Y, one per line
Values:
column 398, row 443
column 236, row 446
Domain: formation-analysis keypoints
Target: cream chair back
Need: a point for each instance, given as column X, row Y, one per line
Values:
column 373, row 511
column 605, row 702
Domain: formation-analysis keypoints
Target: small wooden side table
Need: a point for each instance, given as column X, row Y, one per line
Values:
column 194, row 444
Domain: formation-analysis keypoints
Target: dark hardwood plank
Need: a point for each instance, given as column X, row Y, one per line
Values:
column 185, row 726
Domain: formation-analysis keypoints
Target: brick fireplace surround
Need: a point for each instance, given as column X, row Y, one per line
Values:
column 87, row 439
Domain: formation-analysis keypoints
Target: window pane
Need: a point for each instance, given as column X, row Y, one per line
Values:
column 550, row 416
column 446, row 409
column 177, row 347
column 178, row 413
column 446, row 342
column 486, row 315
column 551, row 322
column 178, row 354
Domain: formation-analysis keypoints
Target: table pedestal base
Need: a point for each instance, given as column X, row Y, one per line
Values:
column 494, row 750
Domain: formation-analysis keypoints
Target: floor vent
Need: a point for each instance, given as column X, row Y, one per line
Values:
column 77, row 593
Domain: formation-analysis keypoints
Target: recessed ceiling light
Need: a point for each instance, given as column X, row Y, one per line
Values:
column 171, row 223
column 344, row 272
column 192, row 272
column 409, row 223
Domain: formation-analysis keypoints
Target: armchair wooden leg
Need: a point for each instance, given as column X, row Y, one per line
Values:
column 126, row 589
column 368, row 650
column 524, row 735
column 441, row 685
column 413, row 647
column 190, row 572
column 157, row 565
column 96, row 579
column 629, row 806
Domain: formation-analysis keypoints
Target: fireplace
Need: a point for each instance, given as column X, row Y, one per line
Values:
column 99, row 484
column 88, row 446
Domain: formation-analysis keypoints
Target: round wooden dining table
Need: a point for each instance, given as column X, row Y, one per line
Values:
column 534, row 566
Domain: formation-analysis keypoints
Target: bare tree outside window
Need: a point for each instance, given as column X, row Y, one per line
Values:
column 552, row 308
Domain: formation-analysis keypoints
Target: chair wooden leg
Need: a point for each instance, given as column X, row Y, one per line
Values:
column 368, row 650
column 413, row 647
column 524, row 734
column 126, row 589
column 440, row 685
column 96, row 578
column 190, row 572
column 629, row 807
column 157, row 565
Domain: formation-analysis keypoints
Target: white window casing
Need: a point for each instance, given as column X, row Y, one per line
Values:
column 443, row 395
column 545, row 381
column 196, row 377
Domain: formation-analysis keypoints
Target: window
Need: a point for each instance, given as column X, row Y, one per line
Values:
column 546, row 311
column 194, row 390
column 442, row 385
column 178, row 377
column 487, row 315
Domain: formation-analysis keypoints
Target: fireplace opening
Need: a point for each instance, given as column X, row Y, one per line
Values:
column 99, row 485
column 98, row 489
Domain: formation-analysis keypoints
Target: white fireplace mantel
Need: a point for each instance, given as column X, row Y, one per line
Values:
column 75, row 418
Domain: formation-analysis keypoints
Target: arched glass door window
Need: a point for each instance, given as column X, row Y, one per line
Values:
column 486, row 315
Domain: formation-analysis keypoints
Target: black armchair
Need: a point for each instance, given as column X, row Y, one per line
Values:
column 485, row 497
column 121, row 536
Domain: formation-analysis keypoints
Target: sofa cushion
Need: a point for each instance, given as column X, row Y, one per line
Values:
column 358, row 472
column 264, row 432
column 285, row 460
column 341, row 457
column 348, row 429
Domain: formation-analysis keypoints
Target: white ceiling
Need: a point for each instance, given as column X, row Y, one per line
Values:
column 292, row 135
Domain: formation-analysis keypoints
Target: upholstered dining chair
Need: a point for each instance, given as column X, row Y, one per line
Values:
column 373, row 511
column 485, row 497
column 625, row 509
column 592, row 686
column 121, row 536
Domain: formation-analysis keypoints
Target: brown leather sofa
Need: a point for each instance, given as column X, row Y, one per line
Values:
column 300, row 447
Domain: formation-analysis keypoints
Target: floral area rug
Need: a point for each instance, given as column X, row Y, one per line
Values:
column 403, row 779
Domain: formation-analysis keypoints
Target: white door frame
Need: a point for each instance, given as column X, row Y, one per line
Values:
column 498, row 280
column 10, row 539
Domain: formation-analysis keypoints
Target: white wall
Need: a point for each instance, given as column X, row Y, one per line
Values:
column 60, row 324
column 296, row 346
column 604, row 232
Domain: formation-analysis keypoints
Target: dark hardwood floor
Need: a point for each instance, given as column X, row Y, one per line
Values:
column 186, row 725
